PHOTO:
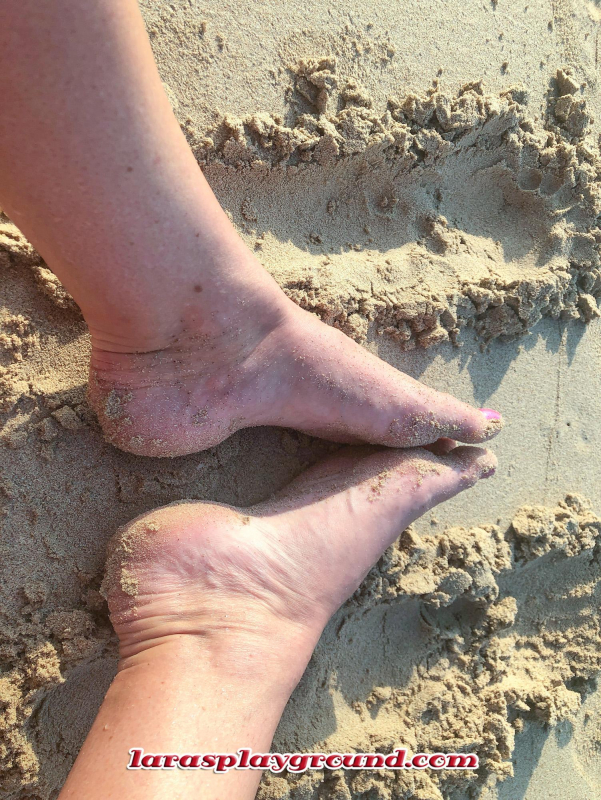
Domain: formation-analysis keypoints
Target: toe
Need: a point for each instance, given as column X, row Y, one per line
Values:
column 473, row 425
column 354, row 505
column 430, row 479
column 431, row 416
column 473, row 462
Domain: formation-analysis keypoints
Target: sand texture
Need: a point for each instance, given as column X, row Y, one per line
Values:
column 420, row 219
column 426, row 177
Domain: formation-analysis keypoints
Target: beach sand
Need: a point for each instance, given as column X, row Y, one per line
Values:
column 424, row 176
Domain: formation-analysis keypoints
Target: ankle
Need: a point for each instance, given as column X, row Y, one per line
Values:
column 268, row 653
column 237, row 299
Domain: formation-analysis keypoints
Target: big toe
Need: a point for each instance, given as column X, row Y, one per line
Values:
column 356, row 503
column 421, row 480
column 437, row 478
column 431, row 415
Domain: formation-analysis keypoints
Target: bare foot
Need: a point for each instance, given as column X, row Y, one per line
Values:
column 245, row 355
column 256, row 586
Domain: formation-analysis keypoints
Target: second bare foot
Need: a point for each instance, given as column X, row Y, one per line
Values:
column 255, row 586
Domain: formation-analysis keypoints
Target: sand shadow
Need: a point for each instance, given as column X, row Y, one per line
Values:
column 478, row 194
column 61, row 721
column 529, row 745
column 433, row 214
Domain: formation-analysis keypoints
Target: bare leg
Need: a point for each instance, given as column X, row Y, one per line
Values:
column 218, row 610
column 192, row 339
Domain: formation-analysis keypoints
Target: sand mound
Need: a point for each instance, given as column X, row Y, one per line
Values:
column 435, row 213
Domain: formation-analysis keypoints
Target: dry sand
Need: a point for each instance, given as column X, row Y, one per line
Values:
column 424, row 176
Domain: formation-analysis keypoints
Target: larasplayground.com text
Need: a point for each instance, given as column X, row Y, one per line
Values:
column 299, row 762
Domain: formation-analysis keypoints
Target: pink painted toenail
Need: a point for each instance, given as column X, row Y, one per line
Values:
column 490, row 413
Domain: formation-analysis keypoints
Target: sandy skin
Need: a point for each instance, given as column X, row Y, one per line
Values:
column 218, row 610
column 299, row 374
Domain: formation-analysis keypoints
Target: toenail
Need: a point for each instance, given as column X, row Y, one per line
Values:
column 490, row 414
